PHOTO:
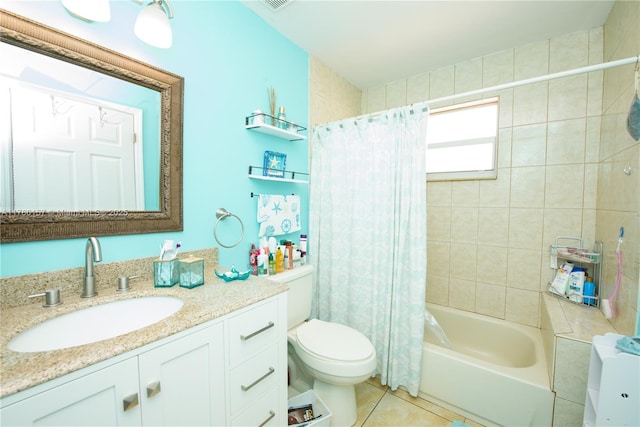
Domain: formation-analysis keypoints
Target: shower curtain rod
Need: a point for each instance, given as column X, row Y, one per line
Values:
column 568, row 73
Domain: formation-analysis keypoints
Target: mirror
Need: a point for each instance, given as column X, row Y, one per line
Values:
column 160, row 207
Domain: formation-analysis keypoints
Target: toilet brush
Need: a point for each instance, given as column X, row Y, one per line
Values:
column 607, row 304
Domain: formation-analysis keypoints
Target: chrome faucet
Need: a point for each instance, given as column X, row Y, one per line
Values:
column 93, row 252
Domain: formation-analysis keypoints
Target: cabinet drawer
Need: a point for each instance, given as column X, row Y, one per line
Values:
column 252, row 331
column 263, row 412
column 252, row 379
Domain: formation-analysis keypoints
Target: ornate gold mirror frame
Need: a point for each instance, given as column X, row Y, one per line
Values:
column 46, row 225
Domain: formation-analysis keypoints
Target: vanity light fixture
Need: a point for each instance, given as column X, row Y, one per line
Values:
column 152, row 25
column 90, row 10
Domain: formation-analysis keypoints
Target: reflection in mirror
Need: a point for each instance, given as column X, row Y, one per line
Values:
column 94, row 139
column 80, row 140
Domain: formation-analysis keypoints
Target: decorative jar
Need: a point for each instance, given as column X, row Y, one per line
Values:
column 165, row 273
column 191, row 272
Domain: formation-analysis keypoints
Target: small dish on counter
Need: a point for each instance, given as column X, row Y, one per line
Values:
column 234, row 274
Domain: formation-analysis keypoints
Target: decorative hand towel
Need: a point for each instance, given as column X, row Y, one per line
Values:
column 629, row 345
column 278, row 214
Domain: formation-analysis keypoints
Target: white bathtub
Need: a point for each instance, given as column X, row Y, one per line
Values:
column 496, row 373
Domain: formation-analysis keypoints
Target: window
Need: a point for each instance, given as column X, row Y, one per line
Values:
column 462, row 141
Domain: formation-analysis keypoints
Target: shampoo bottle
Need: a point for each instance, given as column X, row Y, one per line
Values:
column 576, row 284
column 279, row 261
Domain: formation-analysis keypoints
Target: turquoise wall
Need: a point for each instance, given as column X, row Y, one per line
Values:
column 228, row 57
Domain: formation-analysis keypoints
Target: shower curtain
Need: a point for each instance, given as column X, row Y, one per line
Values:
column 368, row 238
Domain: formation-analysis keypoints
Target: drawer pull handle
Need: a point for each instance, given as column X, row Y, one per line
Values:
column 130, row 402
column 247, row 387
column 153, row 389
column 246, row 337
column 271, row 415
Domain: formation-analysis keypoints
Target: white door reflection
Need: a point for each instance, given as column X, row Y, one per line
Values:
column 71, row 153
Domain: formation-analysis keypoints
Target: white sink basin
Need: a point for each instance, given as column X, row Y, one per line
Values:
column 95, row 324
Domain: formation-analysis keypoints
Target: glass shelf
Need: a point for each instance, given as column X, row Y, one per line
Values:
column 256, row 172
column 291, row 133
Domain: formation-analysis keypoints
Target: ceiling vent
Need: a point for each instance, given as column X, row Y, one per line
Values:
column 276, row 5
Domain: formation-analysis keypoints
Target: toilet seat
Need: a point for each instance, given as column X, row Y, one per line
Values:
column 333, row 341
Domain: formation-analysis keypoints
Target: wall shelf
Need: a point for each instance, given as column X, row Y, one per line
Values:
column 256, row 172
column 581, row 257
column 291, row 133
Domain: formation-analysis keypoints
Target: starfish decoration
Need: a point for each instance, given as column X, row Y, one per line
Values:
column 274, row 163
column 276, row 207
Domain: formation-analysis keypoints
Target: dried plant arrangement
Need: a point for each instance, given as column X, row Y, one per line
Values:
column 271, row 92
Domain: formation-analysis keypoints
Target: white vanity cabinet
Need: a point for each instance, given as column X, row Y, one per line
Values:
column 231, row 370
column 93, row 399
column 182, row 382
column 613, row 389
column 257, row 362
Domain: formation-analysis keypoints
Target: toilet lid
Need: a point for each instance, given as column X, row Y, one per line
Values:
column 334, row 341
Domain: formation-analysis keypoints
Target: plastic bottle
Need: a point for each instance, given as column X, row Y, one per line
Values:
column 263, row 264
column 289, row 247
column 589, row 291
column 282, row 119
column 576, row 284
column 272, row 264
column 279, row 261
column 303, row 248
column 253, row 260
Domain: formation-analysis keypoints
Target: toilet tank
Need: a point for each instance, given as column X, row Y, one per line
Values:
column 299, row 281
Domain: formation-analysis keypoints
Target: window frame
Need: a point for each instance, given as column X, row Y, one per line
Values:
column 475, row 174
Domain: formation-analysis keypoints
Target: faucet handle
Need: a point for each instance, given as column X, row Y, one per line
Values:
column 52, row 297
column 123, row 282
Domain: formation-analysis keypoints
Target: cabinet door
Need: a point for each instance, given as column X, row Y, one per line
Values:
column 182, row 382
column 97, row 399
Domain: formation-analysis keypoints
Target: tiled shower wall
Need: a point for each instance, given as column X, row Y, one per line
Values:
column 331, row 97
column 489, row 240
column 618, row 202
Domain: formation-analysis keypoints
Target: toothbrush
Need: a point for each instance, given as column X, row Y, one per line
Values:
column 607, row 304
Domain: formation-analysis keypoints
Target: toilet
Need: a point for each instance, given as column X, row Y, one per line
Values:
column 329, row 357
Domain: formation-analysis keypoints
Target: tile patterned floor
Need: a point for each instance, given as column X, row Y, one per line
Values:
column 379, row 406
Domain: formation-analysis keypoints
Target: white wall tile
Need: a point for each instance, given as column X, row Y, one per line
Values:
column 531, row 60
column 492, row 265
column 523, row 270
column 568, row 98
column 572, row 370
column 523, row 306
column 564, row 187
column 528, row 147
column 530, row 104
column 525, row 228
column 569, row 51
column 497, row 68
column 527, row 187
column 493, row 227
column 490, row 300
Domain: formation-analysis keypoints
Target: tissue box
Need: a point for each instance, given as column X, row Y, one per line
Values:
column 165, row 273
column 191, row 272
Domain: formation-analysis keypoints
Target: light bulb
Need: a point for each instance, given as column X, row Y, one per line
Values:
column 152, row 26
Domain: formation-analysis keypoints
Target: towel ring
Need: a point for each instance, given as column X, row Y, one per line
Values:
column 221, row 214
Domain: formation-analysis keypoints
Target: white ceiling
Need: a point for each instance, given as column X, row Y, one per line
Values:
column 371, row 42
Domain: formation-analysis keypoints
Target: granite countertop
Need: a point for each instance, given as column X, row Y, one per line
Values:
column 216, row 298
